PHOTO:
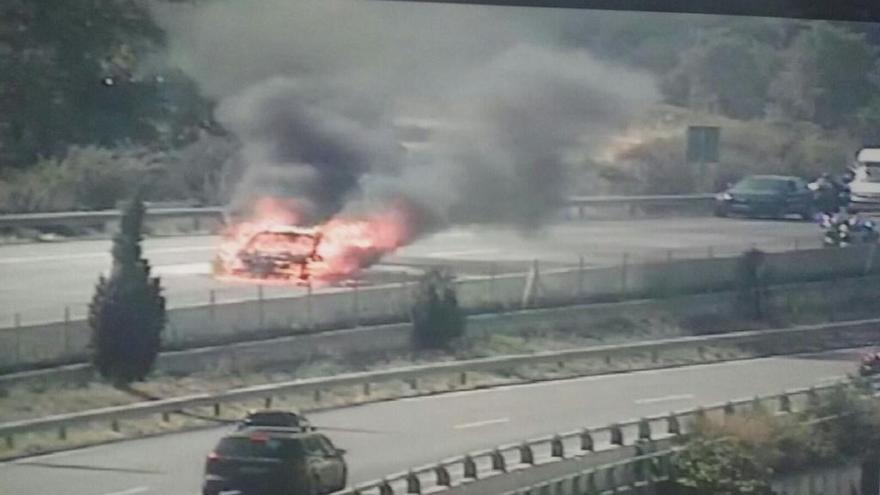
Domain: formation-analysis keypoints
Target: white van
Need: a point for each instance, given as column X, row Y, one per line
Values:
column 865, row 187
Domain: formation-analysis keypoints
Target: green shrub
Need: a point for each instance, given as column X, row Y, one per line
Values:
column 437, row 318
column 127, row 313
column 709, row 467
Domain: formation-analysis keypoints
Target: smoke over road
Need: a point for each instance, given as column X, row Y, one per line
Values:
column 312, row 89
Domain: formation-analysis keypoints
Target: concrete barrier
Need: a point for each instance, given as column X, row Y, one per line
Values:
column 62, row 342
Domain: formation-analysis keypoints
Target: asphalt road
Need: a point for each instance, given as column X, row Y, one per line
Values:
column 38, row 281
column 414, row 432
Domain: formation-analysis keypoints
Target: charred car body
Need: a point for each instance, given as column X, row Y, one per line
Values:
column 280, row 252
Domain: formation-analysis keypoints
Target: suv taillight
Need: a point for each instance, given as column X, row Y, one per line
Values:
column 213, row 456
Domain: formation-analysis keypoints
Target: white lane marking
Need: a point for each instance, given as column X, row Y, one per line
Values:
column 131, row 491
column 477, row 424
column 182, row 269
column 624, row 376
column 665, row 398
column 453, row 254
column 102, row 254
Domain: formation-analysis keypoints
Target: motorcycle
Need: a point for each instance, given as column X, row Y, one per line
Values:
column 870, row 364
column 843, row 231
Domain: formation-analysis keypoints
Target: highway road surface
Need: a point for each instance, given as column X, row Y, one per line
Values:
column 413, row 432
column 38, row 281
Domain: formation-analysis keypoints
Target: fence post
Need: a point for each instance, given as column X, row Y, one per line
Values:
column 580, row 286
column 385, row 488
column 309, row 320
column 729, row 409
column 262, row 315
column 67, row 330
column 212, row 303
column 356, row 298
column 267, row 402
column 462, row 378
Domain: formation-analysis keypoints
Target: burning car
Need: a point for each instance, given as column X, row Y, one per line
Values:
column 277, row 252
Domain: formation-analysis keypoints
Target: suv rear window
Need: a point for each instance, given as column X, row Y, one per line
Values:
column 273, row 419
column 277, row 448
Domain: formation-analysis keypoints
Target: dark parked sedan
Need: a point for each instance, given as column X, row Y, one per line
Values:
column 767, row 195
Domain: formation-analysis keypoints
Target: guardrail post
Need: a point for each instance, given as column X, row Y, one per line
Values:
column 62, row 433
column 442, row 475
column 813, row 398
column 655, row 356
column 784, row 403
column 624, row 268
column 166, row 417
column 644, row 429
column 587, row 444
column 413, row 483
column 498, row 462
column 729, row 409
column 385, row 488
column 673, row 427
column 757, row 405
column 462, row 378
column 267, row 402
column 317, row 395
column 10, row 441
column 414, row 383
column 114, row 425
column 216, row 409
column 366, row 389
column 470, row 468
column 616, row 434
column 526, row 456
column 557, row 449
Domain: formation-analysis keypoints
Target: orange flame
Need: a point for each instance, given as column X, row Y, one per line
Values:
column 271, row 245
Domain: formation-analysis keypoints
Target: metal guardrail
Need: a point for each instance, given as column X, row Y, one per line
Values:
column 414, row 373
column 92, row 217
column 514, row 457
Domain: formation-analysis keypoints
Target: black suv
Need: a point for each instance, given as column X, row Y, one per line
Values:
column 264, row 461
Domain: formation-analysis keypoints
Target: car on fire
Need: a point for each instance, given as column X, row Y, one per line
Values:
column 275, row 460
column 282, row 252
